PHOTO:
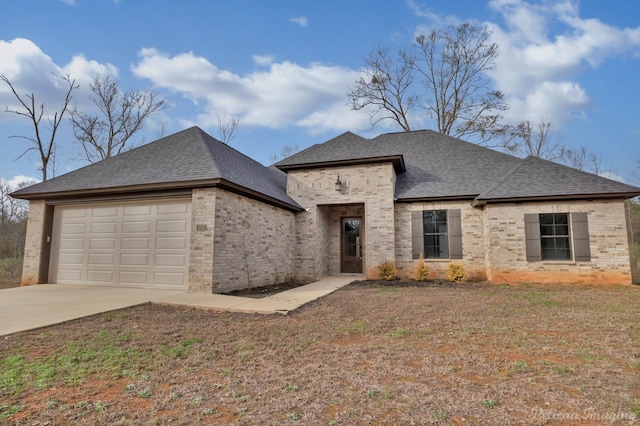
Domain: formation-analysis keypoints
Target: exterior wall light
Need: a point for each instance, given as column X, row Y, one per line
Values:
column 339, row 184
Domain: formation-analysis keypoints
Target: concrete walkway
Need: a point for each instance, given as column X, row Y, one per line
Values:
column 28, row 308
column 282, row 303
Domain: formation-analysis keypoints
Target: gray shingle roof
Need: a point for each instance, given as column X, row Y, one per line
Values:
column 180, row 160
column 538, row 178
column 429, row 165
column 439, row 166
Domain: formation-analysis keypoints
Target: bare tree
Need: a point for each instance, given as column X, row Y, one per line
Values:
column 581, row 159
column 445, row 74
column 45, row 146
column 227, row 127
column 537, row 139
column 384, row 89
column 286, row 151
column 122, row 115
column 453, row 63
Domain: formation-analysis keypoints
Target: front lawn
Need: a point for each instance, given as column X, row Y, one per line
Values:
column 369, row 353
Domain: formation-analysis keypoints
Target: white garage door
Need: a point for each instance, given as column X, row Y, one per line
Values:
column 123, row 244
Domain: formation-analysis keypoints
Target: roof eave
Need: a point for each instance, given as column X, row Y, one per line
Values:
column 479, row 202
column 396, row 160
column 438, row 198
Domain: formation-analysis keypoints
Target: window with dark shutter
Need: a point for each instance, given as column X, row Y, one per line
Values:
column 436, row 234
column 554, row 236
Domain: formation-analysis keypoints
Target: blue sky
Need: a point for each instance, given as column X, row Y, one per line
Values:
column 284, row 67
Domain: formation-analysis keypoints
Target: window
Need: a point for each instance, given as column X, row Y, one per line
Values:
column 557, row 236
column 555, row 240
column 436, row 242
column 437, row 234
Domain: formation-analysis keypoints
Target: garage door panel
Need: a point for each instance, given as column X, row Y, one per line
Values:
column 75, row 213
column 104, row 212
column 134, row 243
column 171, row 208
column 74, row 228
column 126, row 244
column 101, row 259
column 100, row 277
column 72, row 244
column 135, row 227
column 70, row 275
column 103, row 228
column 169, row 279
column 75, row 259
column 171, row 243
column 132, row 277
column 103, row 243
column 137, row 210
column 170, row 260
column 171, row 226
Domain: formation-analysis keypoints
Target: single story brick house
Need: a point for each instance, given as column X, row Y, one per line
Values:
column 189, row 212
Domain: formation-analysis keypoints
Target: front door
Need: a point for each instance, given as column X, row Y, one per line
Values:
column 351, row 245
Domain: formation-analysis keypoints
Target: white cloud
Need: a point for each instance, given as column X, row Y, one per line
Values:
column 263, row 59
column 30, row 70
column 434, row 20
column 301, row 21
column 17, row 181
column 540, row 70
column 69, row 2
column 285, row 94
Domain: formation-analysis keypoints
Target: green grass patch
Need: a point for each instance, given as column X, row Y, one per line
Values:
column 71, row 364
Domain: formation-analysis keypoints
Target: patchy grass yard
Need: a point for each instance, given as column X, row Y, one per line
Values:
column 366, row 354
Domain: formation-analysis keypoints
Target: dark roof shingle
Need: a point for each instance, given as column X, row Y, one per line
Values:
column 178, row 160
column 443, row 167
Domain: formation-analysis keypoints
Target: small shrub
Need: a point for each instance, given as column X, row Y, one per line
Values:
column 388, row 271
column 456, row 273
column 421, row 272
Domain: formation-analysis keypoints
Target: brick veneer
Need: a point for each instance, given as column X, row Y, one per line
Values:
column 33, row 243
column 371, row 187
column 473, row 247
column 253, row 243
column 505, row 245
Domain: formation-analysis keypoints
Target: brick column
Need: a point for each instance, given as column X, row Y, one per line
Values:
column 33, row 243
column 203, row 207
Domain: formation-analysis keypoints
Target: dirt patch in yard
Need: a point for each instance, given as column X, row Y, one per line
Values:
column 371, row 353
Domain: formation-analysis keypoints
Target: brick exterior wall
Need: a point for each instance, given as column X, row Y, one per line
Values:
column 473, row 245
column 203, row 205
column 369, row 186
column 506, row 251
column 33, row 243
column 253, row 243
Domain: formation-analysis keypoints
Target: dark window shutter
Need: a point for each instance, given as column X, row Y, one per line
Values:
column 581, row 247
column 532, row 237
column 417, row 234
column 454, row 226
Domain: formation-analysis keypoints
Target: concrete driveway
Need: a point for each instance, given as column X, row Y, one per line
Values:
column 26, row 308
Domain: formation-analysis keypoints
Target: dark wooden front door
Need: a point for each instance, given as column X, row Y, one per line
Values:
column 351, row 245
